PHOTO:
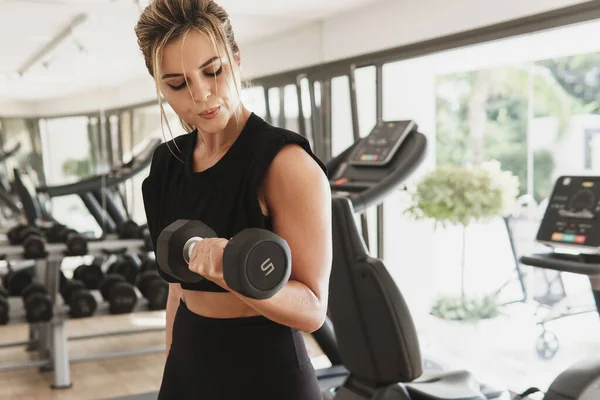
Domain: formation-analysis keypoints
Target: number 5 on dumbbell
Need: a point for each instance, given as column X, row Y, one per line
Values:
column 256, row 262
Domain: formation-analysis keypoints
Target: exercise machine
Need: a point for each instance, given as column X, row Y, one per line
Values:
column 99, row 193
column 376, row 338
column 571, row 229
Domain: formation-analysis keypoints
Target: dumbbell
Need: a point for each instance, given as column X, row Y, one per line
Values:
column 90, row 274
column 128, row 265
column 16, row 281
column 77, row 244
column 81, row 302
column 32, row 240
column 154, row 288
column 4, row 306
column 130, row 230
column 119, row 293
column 37, row 302
column 256, row 262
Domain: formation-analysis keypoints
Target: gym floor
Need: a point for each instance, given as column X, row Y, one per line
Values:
column 96, row 379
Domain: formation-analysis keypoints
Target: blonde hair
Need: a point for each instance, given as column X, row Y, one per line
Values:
column 164, row 21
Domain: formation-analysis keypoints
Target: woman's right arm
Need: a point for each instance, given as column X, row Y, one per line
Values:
column 172, row 304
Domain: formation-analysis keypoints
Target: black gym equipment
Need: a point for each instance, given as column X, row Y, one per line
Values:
column 98, row 193
column 17, row 280
column 37, row 302
column 90, row 274
column 376, row 337
column 4, row 306
column 256, row 262
column 571, row 228
column 119, row 294
column 77, row 244
column 154, row 288
column 80, row 300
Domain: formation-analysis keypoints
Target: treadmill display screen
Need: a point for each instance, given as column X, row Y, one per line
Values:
column 572, row 216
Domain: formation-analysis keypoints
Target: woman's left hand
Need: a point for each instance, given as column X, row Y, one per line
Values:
column 207, row 258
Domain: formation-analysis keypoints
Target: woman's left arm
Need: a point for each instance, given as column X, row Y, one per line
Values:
column 298, row 196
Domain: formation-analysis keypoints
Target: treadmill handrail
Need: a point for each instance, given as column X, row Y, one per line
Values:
column 110, row 179
column 562, row 263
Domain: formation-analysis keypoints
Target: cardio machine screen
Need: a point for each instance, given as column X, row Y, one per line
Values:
column 374, row 157
column 572, row 216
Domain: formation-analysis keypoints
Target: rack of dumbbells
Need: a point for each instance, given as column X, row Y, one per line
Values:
column 122, row 278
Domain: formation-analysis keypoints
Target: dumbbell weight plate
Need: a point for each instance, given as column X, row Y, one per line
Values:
column 256, row 263
column 170, row 243
column 122, row 298
column 82, row 304
column 4, row 307
column 154, row 289
column 34, row 247
column 77, row 245
column 91, row 275
column 16, row 281
column 107, row 283
column 38, row 307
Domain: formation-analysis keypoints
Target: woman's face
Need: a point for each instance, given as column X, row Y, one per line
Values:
column 208, row 99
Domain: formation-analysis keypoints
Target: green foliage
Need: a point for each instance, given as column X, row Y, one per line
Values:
column 579, row 76
column 78, row 168
column 457, row 195
column 466, row 310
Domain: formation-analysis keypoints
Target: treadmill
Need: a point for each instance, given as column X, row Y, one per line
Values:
column 99, row 192
column 375, row 336
column 571, row 229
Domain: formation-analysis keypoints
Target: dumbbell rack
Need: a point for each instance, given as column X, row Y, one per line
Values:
column 50, row 338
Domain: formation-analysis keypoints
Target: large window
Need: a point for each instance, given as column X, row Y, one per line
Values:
column 531, row 103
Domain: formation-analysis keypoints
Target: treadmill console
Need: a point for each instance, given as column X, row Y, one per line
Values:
column 572, row 219
column 373, row 158
column 379, row 147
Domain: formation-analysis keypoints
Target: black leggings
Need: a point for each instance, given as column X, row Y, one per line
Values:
column 237, row 358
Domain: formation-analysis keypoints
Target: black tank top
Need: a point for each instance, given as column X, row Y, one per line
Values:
column 224, row 196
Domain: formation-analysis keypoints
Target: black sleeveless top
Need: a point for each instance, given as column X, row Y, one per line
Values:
column 224, row 196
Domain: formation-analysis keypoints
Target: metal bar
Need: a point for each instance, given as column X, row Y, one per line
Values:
column 281, row 118
column 102, row 356
column 353, row 103
column 379, row 92
column 107, row 224
column 22, row 365
column 301, row 119
column 365, row 228
column 62, row 373
column 380, row 232
column 316, row 126
column 268, row 116
column 326, row 119
column 116, row 333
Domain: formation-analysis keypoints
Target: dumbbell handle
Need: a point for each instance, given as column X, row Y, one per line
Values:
column 188, row 247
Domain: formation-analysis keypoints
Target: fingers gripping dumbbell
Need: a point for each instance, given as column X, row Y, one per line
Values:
column 256, row 262
column 81, row 301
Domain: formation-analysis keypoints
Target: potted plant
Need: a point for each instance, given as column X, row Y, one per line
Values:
column 462, row 195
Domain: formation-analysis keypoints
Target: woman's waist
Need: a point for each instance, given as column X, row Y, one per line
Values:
column 217, row 304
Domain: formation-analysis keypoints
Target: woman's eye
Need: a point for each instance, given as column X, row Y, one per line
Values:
column 178, row 87
column 215, row 73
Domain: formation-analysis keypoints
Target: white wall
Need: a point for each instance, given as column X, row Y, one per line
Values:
column 380, row 26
